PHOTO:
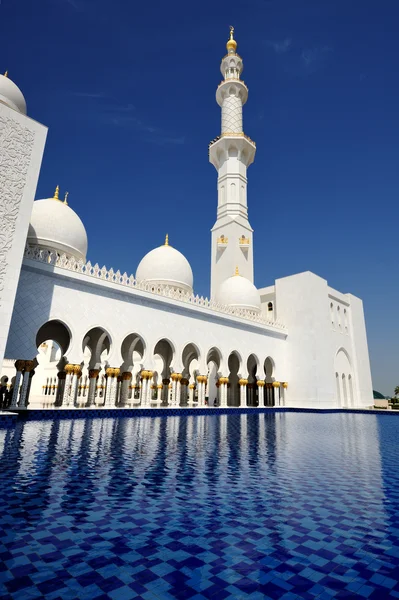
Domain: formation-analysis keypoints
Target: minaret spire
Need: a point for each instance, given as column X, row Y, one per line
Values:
column 231, row 153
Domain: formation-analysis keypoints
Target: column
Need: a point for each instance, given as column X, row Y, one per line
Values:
column 276, row 386
column 118, row 390
column 223, row 390
column 150, row 375
column 24, row 395
column 283, row 392
column 112, row 382
column 19, row 365
column 159, row 393
column 67, row 386
column 61, row 375
column 243, row 392
column 73, row 390
column 126, row 379
column 91, row 396
column 178, row 388
column 143, row 391
column 174, row 388
column 201, row 381
column 184, row 383
column 261, row 392
column 191, row 392
column 165, row 399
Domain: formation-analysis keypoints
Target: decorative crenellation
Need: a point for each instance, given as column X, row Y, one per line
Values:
column 115, row 277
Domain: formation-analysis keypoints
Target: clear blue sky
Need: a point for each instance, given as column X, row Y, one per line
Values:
column 127, row 90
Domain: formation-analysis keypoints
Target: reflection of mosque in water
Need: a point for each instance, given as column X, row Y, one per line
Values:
column 268, row 458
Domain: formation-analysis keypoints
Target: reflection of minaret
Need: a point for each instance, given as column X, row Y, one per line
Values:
column 231, row 153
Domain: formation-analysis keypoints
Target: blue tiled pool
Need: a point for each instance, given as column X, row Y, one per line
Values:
column 286, row 505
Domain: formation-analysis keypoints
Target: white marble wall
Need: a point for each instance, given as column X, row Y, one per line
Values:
column 21, row 148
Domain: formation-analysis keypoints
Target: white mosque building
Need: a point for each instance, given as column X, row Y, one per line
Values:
column 73, row 334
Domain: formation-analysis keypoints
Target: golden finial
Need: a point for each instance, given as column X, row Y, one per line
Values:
column 231, row 44
column 236, row 272
column 66, row 198
column 6, row 74
column 57, row 189
column 167, row 240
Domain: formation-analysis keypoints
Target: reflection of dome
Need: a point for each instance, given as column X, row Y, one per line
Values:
column 166, row 266
column 11, row 95
column 56, row 226
column 239, row 292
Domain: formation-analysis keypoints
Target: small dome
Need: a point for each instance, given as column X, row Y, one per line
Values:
column 166, row 266
column 231, row 44
column 11, row 95
column 239, row 292
column 55, row 225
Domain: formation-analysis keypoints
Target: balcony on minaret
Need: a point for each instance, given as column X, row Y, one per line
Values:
column 222, row 242
column 243, row 242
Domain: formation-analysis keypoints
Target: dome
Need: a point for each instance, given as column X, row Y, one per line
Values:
column 166, row 266
column 231, row 44
column 11, row 95
column 55, row 225
column 239, row 292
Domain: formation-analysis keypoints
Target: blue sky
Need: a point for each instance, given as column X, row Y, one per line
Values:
column 127, row 90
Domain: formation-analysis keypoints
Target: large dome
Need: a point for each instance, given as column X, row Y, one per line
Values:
column 239, row 292
column 55, row 225
column 11, row 95
column 166, row 266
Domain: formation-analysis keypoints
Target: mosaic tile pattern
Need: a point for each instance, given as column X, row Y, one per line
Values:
column 260, row 505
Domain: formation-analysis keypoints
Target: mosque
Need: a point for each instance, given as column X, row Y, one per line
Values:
column 73, row 334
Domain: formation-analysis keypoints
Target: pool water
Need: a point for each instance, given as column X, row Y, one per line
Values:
column 287, row 505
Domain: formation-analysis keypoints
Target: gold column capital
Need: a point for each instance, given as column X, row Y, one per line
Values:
column 127, row 376
column 276, row 384
column 243, row 381
column 94, row 373
column 260, row 383
column 19, row 365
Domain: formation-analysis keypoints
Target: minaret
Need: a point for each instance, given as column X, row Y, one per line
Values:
column 231, row 153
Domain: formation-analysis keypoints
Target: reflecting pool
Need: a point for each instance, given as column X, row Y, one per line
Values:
column 286, row 505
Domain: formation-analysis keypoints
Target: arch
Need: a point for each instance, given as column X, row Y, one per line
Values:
column 190, row 353
column 133, row 343
column 214, row 355
column 56, row 331
column 98, row 342
column 342, row 349
column 269, row 368
column 253, row 365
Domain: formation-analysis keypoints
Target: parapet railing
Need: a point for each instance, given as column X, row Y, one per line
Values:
column 79, row 266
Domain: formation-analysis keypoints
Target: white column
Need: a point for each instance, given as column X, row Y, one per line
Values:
column 19, row 365
column 159, row 393
column 223, row 390
column 174, row 389
column 150, row 375
column 112, row 383
column 126, row 379
column 67, row 387
column 143, row 391
column 243, row 392
column 74, row 386
column 261, row 392
column 284, row 393
column 191, row 391
column 91, row 396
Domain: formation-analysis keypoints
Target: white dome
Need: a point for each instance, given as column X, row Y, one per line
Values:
column 55, row 225
column 239, row 292
column 11, row 95
column 166, row 266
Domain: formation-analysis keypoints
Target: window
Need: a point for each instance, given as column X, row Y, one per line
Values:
column 270, row 306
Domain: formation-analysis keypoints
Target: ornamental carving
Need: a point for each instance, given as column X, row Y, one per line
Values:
column 16, row 146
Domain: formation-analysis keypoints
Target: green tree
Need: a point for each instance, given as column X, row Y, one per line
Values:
column 396, row 391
